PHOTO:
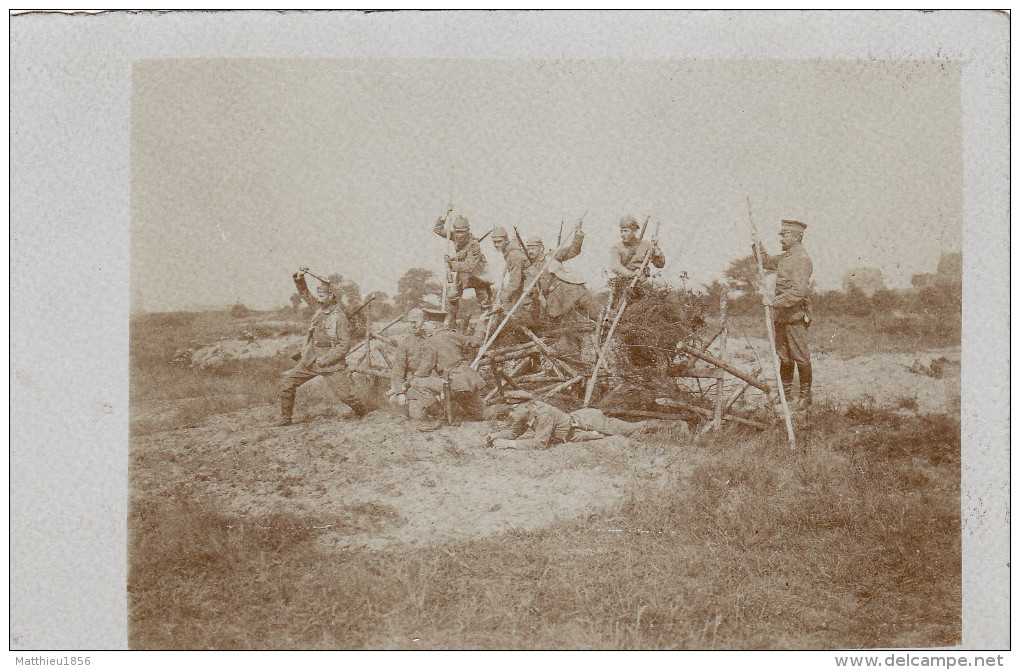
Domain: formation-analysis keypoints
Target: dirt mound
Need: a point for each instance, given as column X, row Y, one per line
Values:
column 380, row 481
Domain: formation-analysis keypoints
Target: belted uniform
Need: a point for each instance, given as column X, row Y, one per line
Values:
column 324, row 353
column 470, row 269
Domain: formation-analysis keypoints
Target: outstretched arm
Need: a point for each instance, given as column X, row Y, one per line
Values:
column 302, row 289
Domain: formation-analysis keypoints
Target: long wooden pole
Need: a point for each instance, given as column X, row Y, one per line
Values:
column 733, row 370
column 449, row 244
column 616, row 320
column 770, row 326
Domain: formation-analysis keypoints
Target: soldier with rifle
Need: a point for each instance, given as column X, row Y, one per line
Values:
column 324, row 352
column 626, row 255
column 792, row 308
column 466, row 264
column 444, row 373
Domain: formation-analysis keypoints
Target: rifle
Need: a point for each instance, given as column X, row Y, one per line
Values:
column 520, row 241
column 770, row 326
column 486, row 234
column 351, row 315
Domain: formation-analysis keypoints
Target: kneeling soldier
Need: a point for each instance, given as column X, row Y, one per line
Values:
column 445, row 370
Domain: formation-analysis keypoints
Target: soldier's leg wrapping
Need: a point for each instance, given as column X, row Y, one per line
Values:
column 797, row 341
column 289, row 383
column 423, row 396
column 786, row 363
column 590, row 418
column 342, row 385
column 420, row 403
column 483, row 292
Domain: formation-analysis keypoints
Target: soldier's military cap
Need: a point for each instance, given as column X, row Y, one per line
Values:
column 433, row 314
column 796, row 226
column 518, row 396
column 499, row 233
column 416, row 314
column 629, row 222
column 535, row 241
column 460, row 223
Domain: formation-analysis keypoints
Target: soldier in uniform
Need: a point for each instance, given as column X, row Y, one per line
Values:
column 407, row 358
column 791, row 308
column 468, row 265
column 516, row 261
column 626, row 256
column 563, row 292
column 445, row 368
column 550, row 425
column 324, row 351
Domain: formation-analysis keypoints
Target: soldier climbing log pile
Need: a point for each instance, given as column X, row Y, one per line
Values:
column 543, row 337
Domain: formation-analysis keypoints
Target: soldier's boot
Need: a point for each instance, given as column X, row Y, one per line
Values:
column 804, row 372
column 286, row 410
column 451, row 313
column 786, row 376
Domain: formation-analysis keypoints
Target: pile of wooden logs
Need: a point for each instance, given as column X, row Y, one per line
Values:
column 550, row 366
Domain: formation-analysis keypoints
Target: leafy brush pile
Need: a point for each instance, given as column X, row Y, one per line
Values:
column 657, row 317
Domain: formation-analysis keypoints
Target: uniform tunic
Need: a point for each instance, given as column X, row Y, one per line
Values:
column 442, row 356
column 793, row 270
column 469, row 264
column 563, row 290
column 328, row 338
column 406, row 360
column 624, row 259
column 513, row 276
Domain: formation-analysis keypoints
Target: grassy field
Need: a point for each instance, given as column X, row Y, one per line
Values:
column 852, row 541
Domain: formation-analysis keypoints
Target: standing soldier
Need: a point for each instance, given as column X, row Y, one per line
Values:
column 557, row 282
column 445, row 370
column 324, row 351
column 516, row 264
column 407, row 358
column 468, row 265
column 562, row 290
column 792, row 308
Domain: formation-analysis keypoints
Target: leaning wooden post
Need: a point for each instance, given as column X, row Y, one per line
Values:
column 770, row 326
column 616, row 320
column 717, row 421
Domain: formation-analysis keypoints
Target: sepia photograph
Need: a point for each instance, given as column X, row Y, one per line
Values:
column 517, row 346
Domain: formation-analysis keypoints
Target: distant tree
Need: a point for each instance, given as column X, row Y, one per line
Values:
column 239, row 309
column 713, row 295
column 885, row 300
column 742, row 275
column 348, row 289
column 413, row 286
column 857, row 302
column 382, row 307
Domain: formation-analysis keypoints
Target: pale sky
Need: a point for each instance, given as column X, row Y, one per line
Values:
column 245, row 170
